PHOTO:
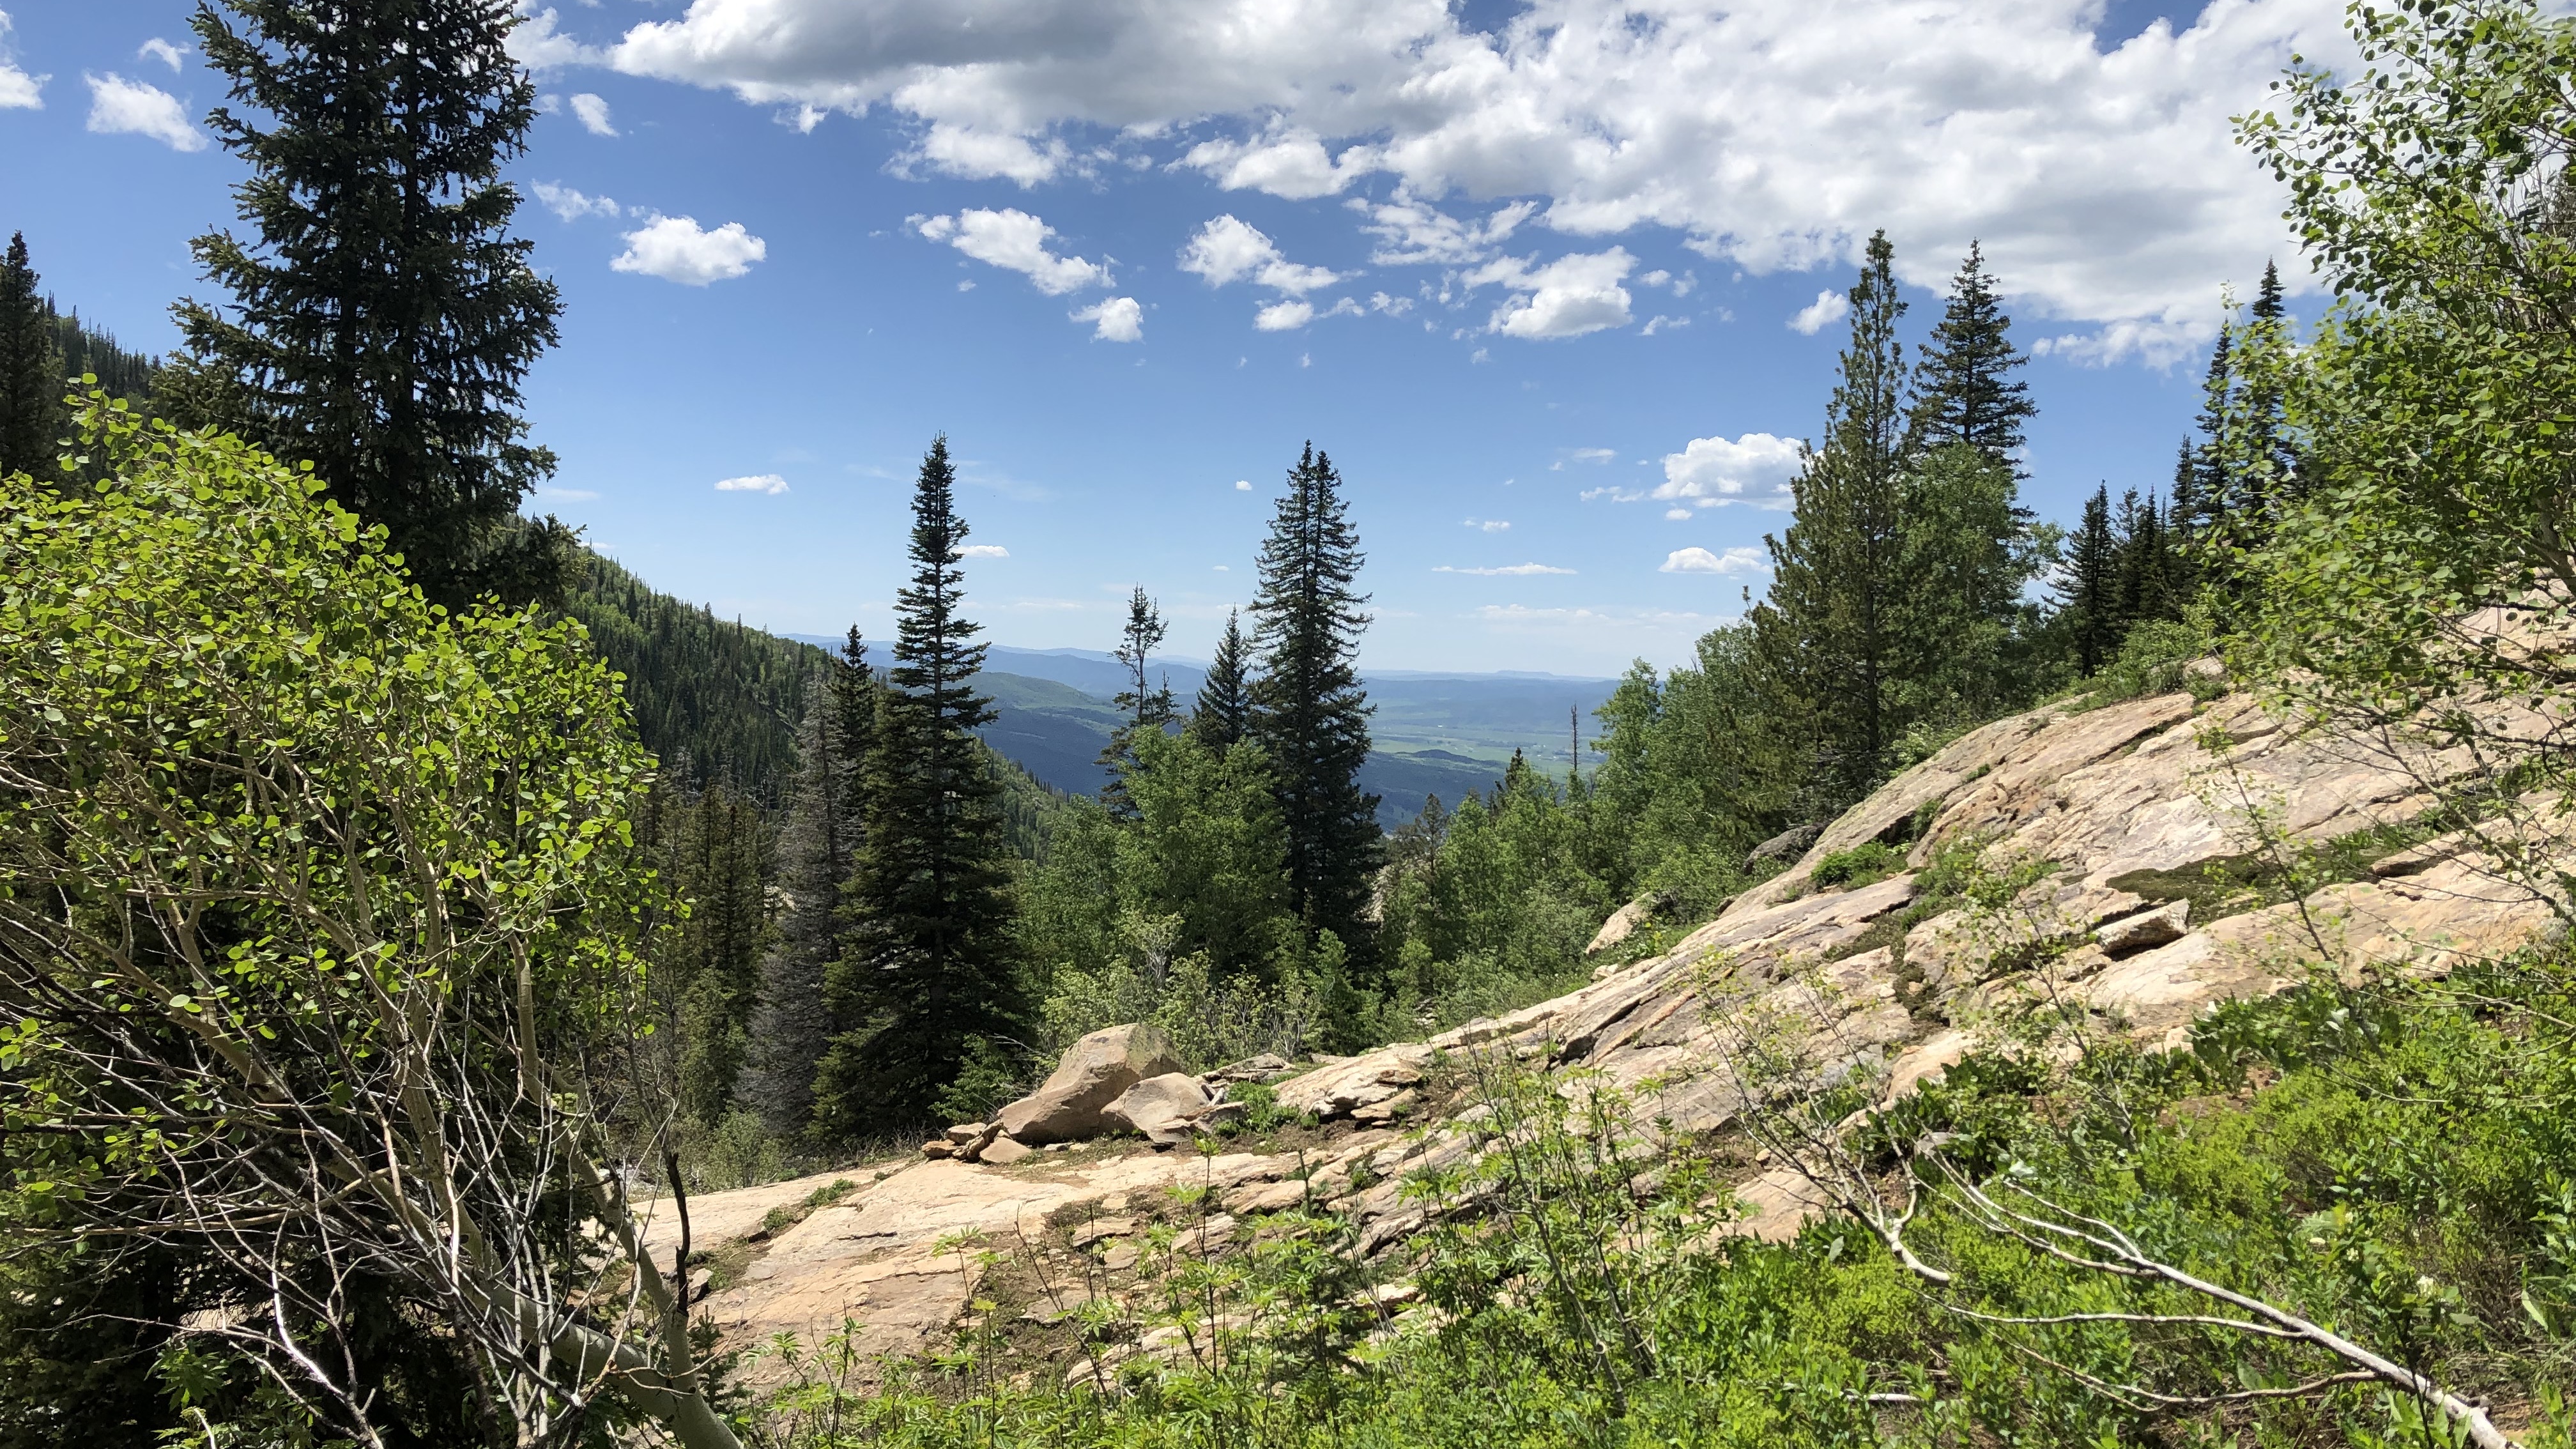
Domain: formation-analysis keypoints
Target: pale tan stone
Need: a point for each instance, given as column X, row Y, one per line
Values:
column 1094, row 1071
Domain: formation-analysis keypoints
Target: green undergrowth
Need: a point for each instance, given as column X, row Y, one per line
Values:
column 2398, row 1162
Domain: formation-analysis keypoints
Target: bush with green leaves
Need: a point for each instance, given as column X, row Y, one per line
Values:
column 318, row 920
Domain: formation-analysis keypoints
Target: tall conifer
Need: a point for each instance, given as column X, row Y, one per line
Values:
column 1223, row 711
column 1147, row 707
column 31, row 371
column 1310, row 713
column 2090, row 594
column 792, row 1026
column 1964, row 390
column 1829, row 636
column 930, row 967
column 382, row 318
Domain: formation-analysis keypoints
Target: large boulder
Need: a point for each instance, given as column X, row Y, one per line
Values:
column 1624, row 922
column 1162, row 1108
column 1094, row 1072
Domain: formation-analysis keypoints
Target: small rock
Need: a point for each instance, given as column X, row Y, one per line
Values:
column 1789, row 844
column 1262, row 1068
column 939, row 1149
column 698, row 1282
column 1624, row 921
column 2168, row 922
column 1267, row 1197
column 1003, row 1151
column 967, row 1132
column 1102, row 1228
column 1120, row 1257
column 1378, row 1113
column 1223, row 1114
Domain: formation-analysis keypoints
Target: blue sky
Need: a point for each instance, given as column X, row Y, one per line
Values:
column 1552, row 283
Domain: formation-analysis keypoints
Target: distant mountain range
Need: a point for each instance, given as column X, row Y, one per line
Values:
column 1443, row 734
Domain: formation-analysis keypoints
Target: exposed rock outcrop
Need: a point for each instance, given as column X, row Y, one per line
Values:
column 2117, row 815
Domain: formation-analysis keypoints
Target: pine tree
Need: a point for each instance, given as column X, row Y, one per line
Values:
column 2090, row 594
column 2144, row 582
column 1963, row 389
column 1223, row 711
column 1828, row 638
column 1310, row 713
column 1147, row 708
column 31, row 371
column 382, row 319
column 2209, row 490
column 930, row 969
column 2266, row 466
column 792, row 1027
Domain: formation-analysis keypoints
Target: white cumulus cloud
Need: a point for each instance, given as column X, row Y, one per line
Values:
column 1568, row 297
column 19, row 91
column 1508, row 570
column 1228, row 249
column 1285, row 316
column 118, row 106
column 983, row 550
column 1242, row 485
column 593, row 112
column 1701, row 561
column 1489, row 525
column 572, row 205
column 2099, row 170
column 1014, row 241
column 1119, row 319
column 676, row 249
column 1288, row 162
column 1711, row 472
column 769, row 483
column 161, row 50
column 1828, row 309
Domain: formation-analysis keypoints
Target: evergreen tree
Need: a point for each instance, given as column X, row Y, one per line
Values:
column 1964, row 392
column 2264, row 464
column 1223, row 712
column 1829, row 635
column 31, row 371
column 1148, row 708
column 382, row 319
column 2209, row 490
column 1310, row 713
column 2148, row 579
column 929, row 972
column 2090, row 593
column 792, row 1027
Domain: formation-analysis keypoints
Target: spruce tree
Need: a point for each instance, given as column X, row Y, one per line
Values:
column 930, row 969
column 2090, row 595
column 1829, row 637
column 382, row 317
column 1147, row 708
column 2265, row 465
column 31, row 371
column 1310, row 713
column 791, row 1027
column 1964, row 391
column 1223, row 711
column 2209, row 490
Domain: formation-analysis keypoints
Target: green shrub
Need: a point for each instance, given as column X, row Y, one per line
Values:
column 1863, row 864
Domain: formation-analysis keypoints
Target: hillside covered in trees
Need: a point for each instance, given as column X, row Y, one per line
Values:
column 2082, row 981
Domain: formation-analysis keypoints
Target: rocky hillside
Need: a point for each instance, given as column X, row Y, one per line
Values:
column 2134, row 860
